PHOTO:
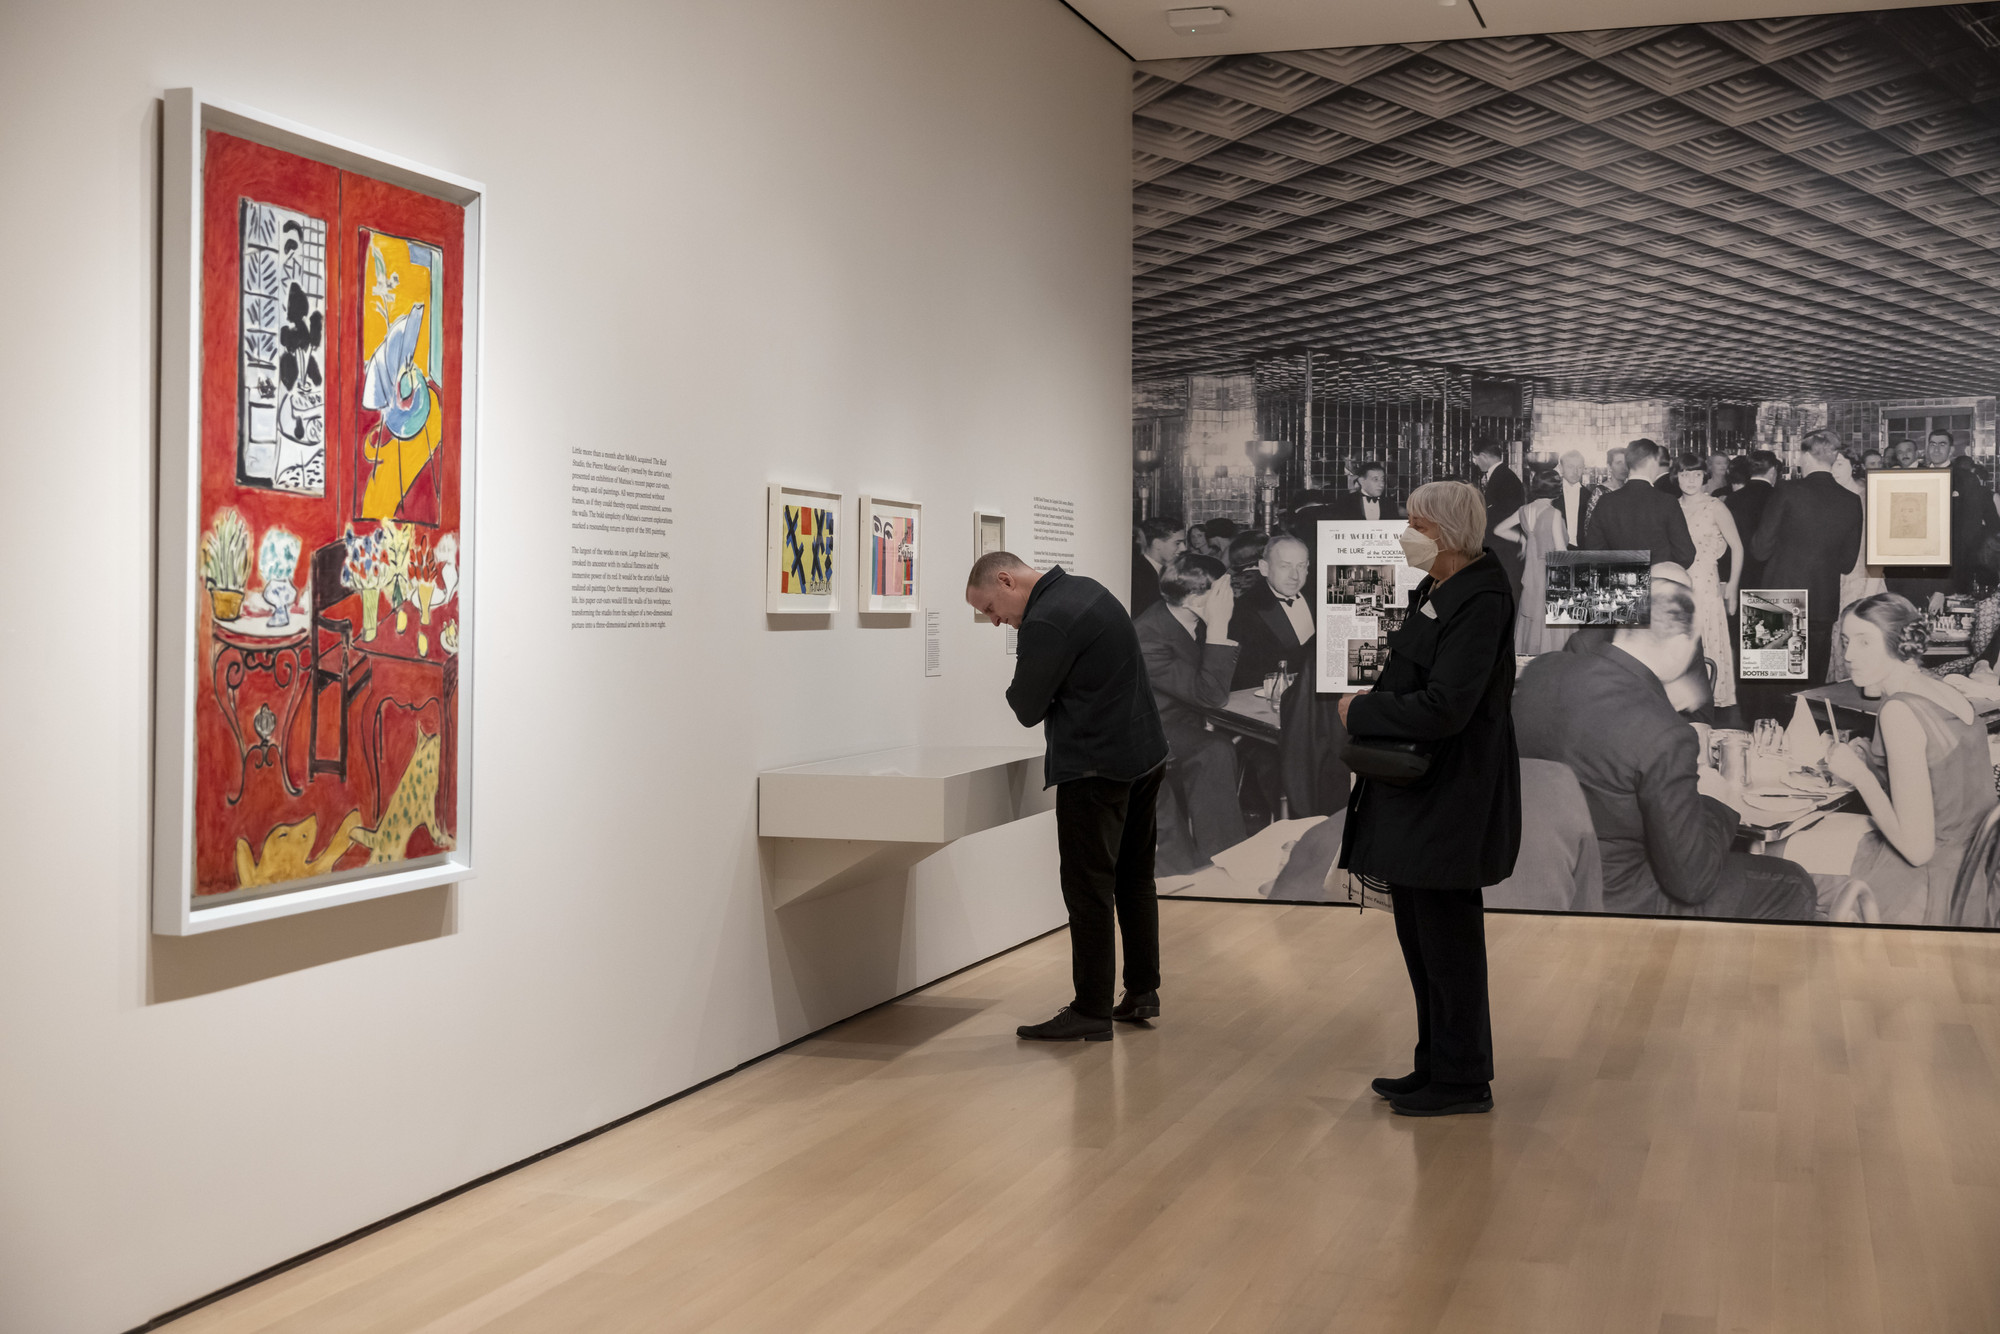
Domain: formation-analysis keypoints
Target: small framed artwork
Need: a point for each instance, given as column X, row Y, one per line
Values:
column 989, row 534
column 891, row 562
column 319, row 393
column 803, row 551
column 1909, row 516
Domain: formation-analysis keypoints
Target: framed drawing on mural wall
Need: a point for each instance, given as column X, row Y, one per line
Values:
column 801, row 551
column 1909, row 516
column 319, row 383
column 890, row 563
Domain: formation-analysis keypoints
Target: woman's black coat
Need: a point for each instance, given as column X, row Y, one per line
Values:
column 1449, row 679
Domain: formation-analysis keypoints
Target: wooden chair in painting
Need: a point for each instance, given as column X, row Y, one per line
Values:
column 336, row 661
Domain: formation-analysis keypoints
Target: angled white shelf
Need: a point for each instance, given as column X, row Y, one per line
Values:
column 836, row 823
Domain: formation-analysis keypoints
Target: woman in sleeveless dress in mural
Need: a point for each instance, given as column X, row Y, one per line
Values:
column 1925, row 775
column 1713, row 528
column 1539, row 529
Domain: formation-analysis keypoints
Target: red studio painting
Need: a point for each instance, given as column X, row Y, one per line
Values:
column 329, row 557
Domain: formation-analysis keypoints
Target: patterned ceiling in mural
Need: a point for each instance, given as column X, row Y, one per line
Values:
column 1796, row 207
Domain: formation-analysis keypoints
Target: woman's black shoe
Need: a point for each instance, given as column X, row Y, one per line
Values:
column 1444, row 1100
column 1130, row 1008
column 1067, row 1026
column 1396, row 1088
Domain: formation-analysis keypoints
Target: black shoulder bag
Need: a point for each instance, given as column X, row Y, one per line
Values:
column 1398, row 762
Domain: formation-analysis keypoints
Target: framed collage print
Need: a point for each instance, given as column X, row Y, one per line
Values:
column 319, row 346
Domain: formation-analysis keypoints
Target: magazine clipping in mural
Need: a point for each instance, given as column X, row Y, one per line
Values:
column 1772, row 640
column 1364, row 592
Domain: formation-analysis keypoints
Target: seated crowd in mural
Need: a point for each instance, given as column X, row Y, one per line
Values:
column 1624, row 809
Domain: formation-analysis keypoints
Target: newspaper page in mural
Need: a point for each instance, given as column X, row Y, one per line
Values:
column 1362, row 574
column 1771, row 645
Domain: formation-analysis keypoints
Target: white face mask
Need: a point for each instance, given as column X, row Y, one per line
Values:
column 1418, row 550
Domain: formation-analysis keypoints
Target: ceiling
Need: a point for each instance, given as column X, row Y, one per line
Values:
column 1767, row 209
column 1140, row 26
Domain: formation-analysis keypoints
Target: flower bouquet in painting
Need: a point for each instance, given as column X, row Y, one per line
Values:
column 366, row 572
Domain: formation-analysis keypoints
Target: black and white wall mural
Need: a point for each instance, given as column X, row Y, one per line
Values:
column 1755, row 266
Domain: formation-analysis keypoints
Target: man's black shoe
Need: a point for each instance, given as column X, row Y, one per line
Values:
column 1067, row 1026
column 1444, row 1100
column 1131, row 1009
column 1396, row 1088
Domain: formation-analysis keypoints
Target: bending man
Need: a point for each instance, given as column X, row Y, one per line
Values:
column 1080, row 675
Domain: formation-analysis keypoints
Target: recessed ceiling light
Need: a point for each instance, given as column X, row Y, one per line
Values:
column 1194, row 22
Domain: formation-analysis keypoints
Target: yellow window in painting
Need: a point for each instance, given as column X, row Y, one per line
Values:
column 403, row 350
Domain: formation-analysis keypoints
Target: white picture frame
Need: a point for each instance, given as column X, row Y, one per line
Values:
column 188, row 114
column 989, row 534
column 876, row 514
column 1909, row 516
column 786, row 565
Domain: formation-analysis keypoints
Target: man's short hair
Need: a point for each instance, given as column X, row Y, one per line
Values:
column 1944, row 431
column 1821, row 445
column 1220, row 530
column 1643, row 451
column 1247, row 548
column 991, row 564
column 1763, row 461
column 1188, row 575
column 1367, row 466
column 1486, row 449
column 1304, row 547
column 1157, row 529
column 1672, row 610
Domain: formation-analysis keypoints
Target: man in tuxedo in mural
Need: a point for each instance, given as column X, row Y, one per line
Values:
column 1974, row 517
column 1160, row 542
column 1367, row 500
column 1273, row 622
column 1747, row 504
column 1602, row 710
column 1190, row 658
column 1574, row 497
column 1504, row 497
column 1640, row 517
column 1809, row 537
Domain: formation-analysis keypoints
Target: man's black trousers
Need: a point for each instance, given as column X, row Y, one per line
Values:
column 1105, row 833
column 1443, row 935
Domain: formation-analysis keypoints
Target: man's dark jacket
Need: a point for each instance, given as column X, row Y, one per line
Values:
column 1638, row 517
column 1448, row 681
column 1602, row 712
column 1349, row 506
column 1145, row 582
column 1504, row 495
column 1809, row 537
column 1747, row 505
column 1188, row 674
column 1079, row 673
column 1264, row 637
column 1973, row 518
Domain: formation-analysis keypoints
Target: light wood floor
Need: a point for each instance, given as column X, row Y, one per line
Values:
column 1700, row 1127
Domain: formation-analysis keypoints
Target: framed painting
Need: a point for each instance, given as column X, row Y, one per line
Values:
column 319, row 386
column 801, row 555
column 1909, row 516
column 891, row 562
column 989, row 534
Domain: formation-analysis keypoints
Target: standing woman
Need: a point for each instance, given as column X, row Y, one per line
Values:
column 1713, row 528
column 1717, row 483
column 1448, row 686
column 1539, row 528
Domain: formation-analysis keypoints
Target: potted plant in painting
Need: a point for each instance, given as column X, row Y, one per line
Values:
column 277, row 561
column 225, row 564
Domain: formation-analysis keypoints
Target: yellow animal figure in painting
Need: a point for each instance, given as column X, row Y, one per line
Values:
column 288, row 855
column 413, row 803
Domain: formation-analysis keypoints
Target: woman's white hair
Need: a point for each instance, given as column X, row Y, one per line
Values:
column 1459, row 511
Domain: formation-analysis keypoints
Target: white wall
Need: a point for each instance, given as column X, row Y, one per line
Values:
column 859, row 244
